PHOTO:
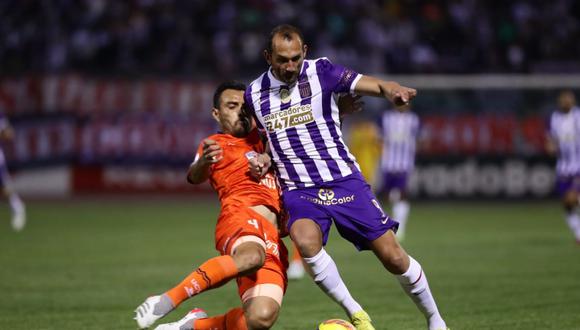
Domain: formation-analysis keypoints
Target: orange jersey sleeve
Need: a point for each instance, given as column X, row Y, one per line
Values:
column 231, row 179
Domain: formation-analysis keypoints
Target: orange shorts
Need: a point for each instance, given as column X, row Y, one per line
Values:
column 234, row 228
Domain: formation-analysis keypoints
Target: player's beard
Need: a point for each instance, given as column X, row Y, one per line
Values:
column 241, row 128
column 246, row 124
column 289, row 77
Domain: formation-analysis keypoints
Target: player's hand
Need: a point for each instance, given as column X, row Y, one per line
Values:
column 259, row 165
column 211, row 151
column 401, row 95
column 349, row 104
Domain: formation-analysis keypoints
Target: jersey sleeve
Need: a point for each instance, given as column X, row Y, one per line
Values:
column 336, row 77
column 197, row 153
column 196, row 157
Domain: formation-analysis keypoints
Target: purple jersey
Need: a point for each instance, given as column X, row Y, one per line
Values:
column 565, row 130
column 399, row 132
column 302, row 123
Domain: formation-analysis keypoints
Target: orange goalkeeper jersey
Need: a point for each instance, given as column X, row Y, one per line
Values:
column 230, row 177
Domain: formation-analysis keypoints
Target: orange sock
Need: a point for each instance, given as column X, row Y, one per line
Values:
column 211, row 274
column 232, row 320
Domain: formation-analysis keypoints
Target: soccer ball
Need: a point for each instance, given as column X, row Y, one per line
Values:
column 336, row 324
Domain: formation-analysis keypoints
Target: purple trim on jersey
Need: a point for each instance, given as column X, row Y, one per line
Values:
column 293, row 137
column 315, row 135
column 323, row 150
column 265, row 95
column 265, row 109
column 348, row 202
column 250, row 106
column 327, row 91
column 290, row 169
column 298, row 148
column 340, row 77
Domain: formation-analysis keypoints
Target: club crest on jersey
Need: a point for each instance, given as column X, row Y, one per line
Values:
column 251, row 154
column 304, row 89
column 284, row 94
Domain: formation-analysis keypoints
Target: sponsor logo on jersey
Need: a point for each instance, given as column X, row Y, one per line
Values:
column 325, row 194
column 272, row 247
column 327, row 197
column 293, row 116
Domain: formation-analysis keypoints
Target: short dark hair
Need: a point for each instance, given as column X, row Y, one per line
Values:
column 232, row 84
column 286, row 30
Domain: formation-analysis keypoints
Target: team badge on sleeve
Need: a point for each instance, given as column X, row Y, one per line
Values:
column 251, row 154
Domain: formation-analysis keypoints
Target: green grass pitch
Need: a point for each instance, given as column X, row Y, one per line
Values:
column 86, row 264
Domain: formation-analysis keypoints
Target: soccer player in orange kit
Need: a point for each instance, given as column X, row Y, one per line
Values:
column 246, row 234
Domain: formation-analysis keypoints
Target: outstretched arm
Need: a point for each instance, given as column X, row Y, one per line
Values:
column 391, row 90
column 199, row 170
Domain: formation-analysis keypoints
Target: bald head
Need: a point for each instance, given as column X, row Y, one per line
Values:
column 284, row 32
column 285, row 53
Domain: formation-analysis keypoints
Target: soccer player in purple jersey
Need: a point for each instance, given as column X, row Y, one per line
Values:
column 564, row 140
column 295, row 103
column 16, row 204
column 399, row 131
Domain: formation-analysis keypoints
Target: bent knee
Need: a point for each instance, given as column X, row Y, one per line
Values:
column 396, row 260
column 255, row 259
column 249, row 258
column 262, row 317
column 307, row 236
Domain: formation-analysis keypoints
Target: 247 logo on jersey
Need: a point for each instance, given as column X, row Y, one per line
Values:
column 291, row 117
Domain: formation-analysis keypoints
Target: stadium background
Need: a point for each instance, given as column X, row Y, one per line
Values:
column 109, row 99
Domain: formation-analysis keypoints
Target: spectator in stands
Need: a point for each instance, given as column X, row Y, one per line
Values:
column 201, row 37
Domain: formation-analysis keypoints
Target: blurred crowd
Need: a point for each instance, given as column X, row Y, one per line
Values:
column 204, row 38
